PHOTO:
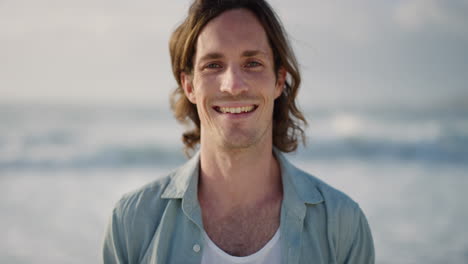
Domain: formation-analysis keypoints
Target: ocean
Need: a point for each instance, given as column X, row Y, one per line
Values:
column 62, row 169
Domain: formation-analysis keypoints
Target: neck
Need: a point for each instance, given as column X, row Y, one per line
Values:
column 234, row 178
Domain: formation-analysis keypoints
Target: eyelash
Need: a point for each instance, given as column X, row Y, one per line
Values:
column 209, row 66
column 254, row 62
column 250, row 64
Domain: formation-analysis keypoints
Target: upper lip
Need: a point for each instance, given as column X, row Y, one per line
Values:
column 234, row 104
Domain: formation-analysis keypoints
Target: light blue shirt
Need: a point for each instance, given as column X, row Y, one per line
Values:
column 162, row 222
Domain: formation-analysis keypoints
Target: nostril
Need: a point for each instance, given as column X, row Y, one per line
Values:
column 233, row 84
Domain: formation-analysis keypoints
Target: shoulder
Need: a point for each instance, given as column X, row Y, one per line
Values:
column 134, row 219
column 313, row 190
column 334, row 199
column 346, row 224
column 342, row 212
column 148, row 202
column 145, row 197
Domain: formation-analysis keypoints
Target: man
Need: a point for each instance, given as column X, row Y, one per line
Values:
column 238, row 200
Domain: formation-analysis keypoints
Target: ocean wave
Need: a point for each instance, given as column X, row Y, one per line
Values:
column 61, row 137
column 444, row 151
column 108, row 157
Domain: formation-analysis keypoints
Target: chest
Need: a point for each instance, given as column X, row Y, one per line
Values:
column 176, row 238
column 243, row 231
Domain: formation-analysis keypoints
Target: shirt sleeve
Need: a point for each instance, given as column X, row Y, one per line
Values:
column 361, row 250
column 113, row 251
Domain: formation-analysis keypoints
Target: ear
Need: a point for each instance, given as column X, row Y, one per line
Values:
column 280, row 81
column 186, row 81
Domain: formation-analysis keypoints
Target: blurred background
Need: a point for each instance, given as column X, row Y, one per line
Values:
column 84, row 117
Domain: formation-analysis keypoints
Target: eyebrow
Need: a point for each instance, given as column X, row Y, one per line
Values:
column 212, row 56
column 247, row 53
column 251, row 53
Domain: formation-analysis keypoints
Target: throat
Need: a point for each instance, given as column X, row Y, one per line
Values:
column 235, row 179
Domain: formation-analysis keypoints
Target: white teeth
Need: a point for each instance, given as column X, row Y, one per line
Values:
column 236, row 110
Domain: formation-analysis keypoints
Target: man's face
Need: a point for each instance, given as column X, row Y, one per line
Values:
column 233, row 82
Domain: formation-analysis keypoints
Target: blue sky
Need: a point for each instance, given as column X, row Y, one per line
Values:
column 363, row 52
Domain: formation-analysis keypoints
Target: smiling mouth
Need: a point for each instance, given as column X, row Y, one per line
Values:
column 235, row 110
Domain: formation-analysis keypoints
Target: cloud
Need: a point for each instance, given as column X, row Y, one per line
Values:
column 363, row 50
column 354, row 21
column 84, row 50
column 416, row 15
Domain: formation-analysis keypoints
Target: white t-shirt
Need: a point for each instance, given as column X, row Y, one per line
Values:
column 269, row 254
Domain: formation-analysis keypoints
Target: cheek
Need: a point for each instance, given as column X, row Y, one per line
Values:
column 202, row 85
column 267, row 80
column 202, row 103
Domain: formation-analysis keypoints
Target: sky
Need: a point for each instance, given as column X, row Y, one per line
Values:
column 363, row 52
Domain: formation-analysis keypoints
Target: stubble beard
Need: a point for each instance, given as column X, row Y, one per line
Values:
column 240, row 139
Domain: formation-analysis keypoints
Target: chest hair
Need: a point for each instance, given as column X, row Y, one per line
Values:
column 243, row 231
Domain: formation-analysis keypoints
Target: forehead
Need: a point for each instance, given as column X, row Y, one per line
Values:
column 234, row 31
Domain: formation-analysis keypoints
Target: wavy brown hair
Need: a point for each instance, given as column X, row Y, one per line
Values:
column 288, row 120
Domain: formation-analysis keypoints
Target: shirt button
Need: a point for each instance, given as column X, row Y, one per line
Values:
column 196, row 248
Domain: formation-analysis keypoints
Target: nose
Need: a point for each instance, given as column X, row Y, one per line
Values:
column 233, row 81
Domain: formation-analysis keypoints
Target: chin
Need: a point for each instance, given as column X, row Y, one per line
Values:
column 239, row 143
column 236, row 145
